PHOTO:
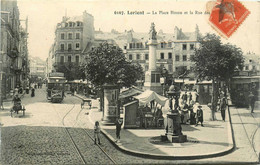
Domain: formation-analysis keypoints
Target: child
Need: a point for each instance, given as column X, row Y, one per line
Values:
column 97, row 132
column 199, row 115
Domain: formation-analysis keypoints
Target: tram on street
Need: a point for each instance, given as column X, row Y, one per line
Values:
column 56, row 87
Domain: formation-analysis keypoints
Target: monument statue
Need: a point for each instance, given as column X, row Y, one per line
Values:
column 152, row 33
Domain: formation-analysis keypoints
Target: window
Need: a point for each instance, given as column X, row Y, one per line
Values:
column 169, row 55
column 70, row 24
column 62, row 36
column 184, row 47
column 146, row 67
column 125, row 47
column 169, row 44
column 138, row 56
column 246, row 68
column 62, row 59
column 191, row 46
column 69, row 47
column 77, row 59
column 69, row 58
column 78, row 23
column 146, row 56
column 70, row 36
column 177, row 58
column 130, row 56
column 77, row 45
column 77, row 35
column 62, row 47
column 162, row 55
column 184, row 58
column 130, row 46
column 162, row 45
column 137, row 45
column 153, row 78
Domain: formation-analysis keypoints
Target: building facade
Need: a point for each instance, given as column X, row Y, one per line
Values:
column 174, row 51
column 14, row 52
column 37, row 68
column 73, row 37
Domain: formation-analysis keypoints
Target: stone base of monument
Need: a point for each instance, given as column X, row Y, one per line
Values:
column 164, row 138
column 174, row 138
column 177, row 138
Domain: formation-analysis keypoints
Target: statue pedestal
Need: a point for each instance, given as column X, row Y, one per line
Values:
column 174, row 131
column 152, row 81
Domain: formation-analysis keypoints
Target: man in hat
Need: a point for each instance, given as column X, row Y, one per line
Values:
column 119, row 123
column 199, row 115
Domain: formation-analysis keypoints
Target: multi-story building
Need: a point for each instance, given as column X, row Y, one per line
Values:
column 252, row 62
column 37, row 67
column 173, row 50
column 14, row 52
column 73, row 37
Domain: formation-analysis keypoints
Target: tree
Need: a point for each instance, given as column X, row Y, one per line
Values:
column 107, row 64
column 216, row 61
column 72, row 71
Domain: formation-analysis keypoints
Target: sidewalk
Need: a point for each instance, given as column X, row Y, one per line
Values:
column 215, row 139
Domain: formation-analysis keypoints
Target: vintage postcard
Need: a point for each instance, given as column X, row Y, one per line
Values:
column 130, row 82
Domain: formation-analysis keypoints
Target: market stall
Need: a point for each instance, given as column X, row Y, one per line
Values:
column 150, row 109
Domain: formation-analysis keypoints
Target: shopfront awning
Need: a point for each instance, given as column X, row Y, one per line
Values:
column 148, row 96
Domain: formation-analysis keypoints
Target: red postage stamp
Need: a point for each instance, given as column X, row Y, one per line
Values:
column 227, row 15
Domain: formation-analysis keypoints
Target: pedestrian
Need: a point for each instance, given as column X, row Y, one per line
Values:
column 190, row 97
column 199, row 115
column 196, row 96
column 119, row 123
column 184, row 97
column 27, row 90
column 184, row 112
column 223, row 104
column 97, row 132
column 33, row 92
column 1, row 102
column 192, row 114
column 251, row 98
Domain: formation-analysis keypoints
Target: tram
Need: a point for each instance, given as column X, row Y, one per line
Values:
column 55, row 87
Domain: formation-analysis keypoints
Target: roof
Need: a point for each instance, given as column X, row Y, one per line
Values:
column 130, row 92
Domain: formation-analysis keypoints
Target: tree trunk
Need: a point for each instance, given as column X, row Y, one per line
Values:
column 101, row 102
column 214, row 99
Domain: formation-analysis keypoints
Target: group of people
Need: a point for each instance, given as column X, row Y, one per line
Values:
column 190, row 113
column 190, row 110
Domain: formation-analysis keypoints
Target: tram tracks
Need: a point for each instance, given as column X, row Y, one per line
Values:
column 251, row 138
column 76, row 124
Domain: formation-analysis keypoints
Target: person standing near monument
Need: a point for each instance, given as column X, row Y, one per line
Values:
column 184, row 97
column 199, row 115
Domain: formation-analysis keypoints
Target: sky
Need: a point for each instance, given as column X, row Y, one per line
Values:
column 43, row 16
